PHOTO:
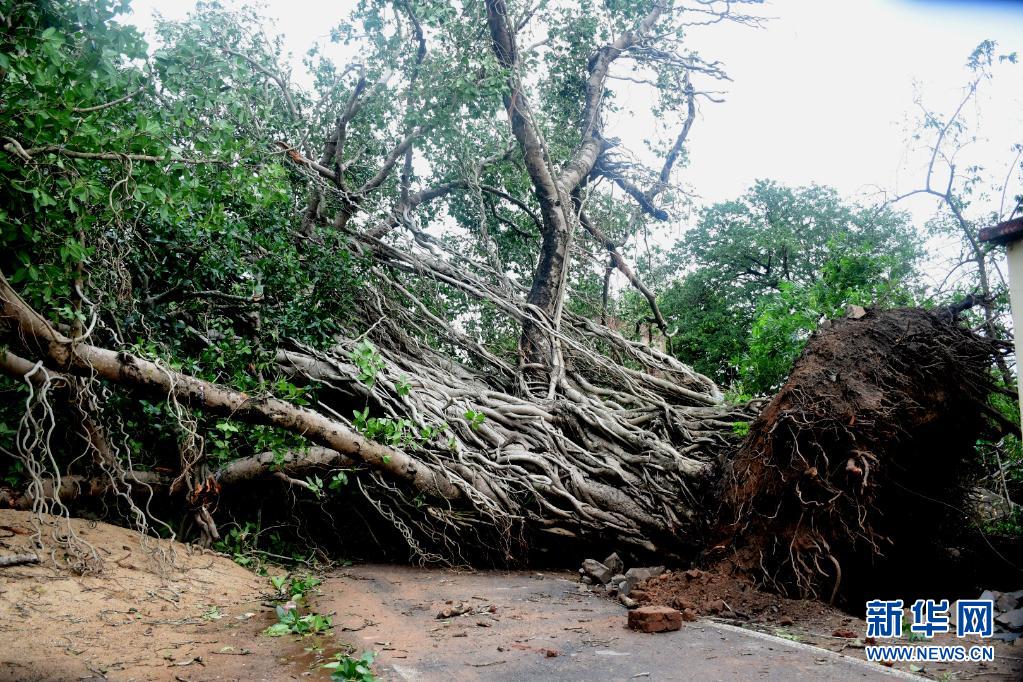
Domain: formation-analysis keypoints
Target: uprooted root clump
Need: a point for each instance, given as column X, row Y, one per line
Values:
column 856, row 474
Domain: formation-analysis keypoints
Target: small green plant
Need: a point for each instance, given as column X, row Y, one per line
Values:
column 212, row 613
column 785, row 634
column 294, row 588
column 238, row 542
column 292, row 393
column 369, row 362
column 474, row 418
column 345, row 668
column 740, row 429
column 279, row 581
column 15, row 474
column 401, row 432
column 290, row 623
column 221, row 447
column 315, row 485
column 909, row 634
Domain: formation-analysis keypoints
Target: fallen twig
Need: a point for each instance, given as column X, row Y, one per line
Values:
column 18, row 560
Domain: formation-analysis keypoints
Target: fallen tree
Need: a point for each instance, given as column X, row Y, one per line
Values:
column 568, row 467
column 394, row 269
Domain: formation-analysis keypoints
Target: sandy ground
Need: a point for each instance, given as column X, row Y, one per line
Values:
column 197, row 617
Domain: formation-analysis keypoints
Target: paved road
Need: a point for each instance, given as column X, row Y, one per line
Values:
column 529, row 626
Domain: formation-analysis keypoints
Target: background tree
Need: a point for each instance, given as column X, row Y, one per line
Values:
column 778, row 253
column 967, row 198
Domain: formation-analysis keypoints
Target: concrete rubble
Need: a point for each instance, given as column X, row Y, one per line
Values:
column 1008, row 614
column 611, row 576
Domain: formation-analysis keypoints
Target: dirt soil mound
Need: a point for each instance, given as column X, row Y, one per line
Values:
column 857, row 473
column 163, row 611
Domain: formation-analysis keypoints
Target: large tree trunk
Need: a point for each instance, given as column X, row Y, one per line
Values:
column 541, row 354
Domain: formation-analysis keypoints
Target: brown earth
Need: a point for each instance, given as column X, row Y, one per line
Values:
column 871, row 439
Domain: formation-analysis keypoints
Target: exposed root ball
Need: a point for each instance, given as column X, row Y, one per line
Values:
column 855, row 474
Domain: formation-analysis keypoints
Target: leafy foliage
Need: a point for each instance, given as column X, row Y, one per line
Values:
column 785, row 320
column 762, row 271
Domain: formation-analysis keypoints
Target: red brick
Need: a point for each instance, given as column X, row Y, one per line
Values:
column 655, row 619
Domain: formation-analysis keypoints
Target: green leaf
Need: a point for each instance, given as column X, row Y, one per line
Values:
column 278, row 630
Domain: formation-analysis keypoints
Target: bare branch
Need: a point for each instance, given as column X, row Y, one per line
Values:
column 15, row 148
column 107, row 105
column 623, row 267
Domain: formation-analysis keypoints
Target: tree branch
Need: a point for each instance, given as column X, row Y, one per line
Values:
column 15, row 148
column 623, row 267
column 40, row 339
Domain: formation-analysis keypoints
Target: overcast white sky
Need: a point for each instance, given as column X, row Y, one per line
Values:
column 824, row 93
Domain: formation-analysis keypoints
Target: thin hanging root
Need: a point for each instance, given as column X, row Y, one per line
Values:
column 418, row 553
column 47, row 478
column 32, row 449
column 192, row 445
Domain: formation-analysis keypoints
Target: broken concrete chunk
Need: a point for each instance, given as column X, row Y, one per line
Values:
column 1006, row 602
column 614, row 563
column 641, row 574
column 1012, row 599
column 1012, row 620
column 587, row 580
column 597, row 570
column 655, row 619
column 855, row 311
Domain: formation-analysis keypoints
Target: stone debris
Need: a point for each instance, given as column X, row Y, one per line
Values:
column 598, row 571
column 655, row 619
column 611, row 576
column 615, row 564
column 1011, row 620
column 1008, row 614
